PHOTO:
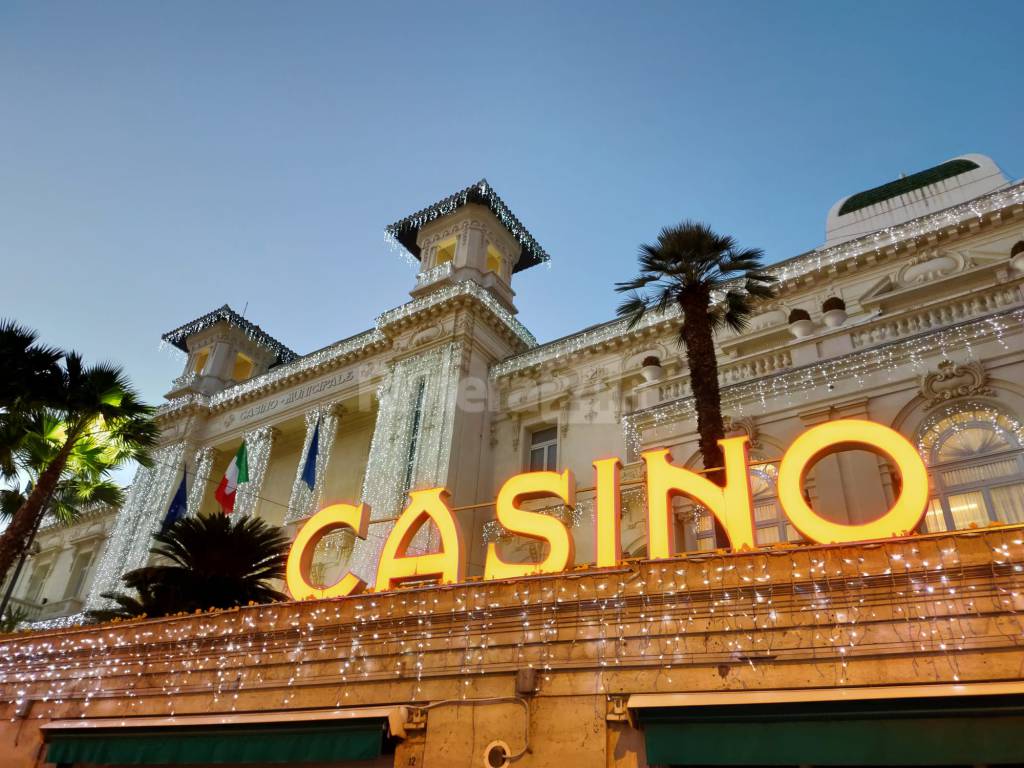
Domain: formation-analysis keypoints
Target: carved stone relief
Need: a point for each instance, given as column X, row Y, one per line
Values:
column 951, row 380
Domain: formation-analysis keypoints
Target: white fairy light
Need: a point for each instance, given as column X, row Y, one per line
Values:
column 303, row 500
column 143, row 511
column 202, row 464
column 258, row 444
column 437, row 372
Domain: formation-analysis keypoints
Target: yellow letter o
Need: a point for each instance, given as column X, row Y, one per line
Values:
column 846, row 434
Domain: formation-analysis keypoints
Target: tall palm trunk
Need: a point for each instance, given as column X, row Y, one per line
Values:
column 15, row 538
column 698, row 340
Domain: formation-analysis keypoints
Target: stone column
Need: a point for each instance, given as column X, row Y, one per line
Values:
column 258, row 443
column 202, row 463
column 144, row 510
column 411, row 445
column 305, row 501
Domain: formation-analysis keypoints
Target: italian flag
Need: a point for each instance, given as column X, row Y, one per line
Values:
column 237, row 472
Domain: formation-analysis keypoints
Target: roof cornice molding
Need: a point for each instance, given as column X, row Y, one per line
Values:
column 862, row 362
column 369, row 342
column 226, row 314
column 401, row 317
column 1000, row 204
column 405, row 231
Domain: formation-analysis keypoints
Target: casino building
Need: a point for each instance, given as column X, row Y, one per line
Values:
column 904, row 651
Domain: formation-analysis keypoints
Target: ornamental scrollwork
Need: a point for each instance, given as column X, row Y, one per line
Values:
column 952, row 380
column 745, row 425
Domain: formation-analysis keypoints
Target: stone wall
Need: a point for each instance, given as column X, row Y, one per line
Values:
column 927, row 609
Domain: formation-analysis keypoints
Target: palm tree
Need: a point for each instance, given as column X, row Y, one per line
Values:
column 97, row 413
column 84, row 483
column 714, row 283
column 30, row 368
column 30, row 377
column 208, row 561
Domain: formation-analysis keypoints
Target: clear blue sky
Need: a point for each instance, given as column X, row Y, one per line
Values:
column 160, row 159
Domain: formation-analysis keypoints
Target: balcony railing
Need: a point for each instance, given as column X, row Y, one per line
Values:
column 434, row 275
column 948, row 313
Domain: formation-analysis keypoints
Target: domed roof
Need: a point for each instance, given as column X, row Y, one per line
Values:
column 908, row 197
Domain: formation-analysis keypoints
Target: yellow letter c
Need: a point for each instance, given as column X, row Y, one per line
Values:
column 300, row 557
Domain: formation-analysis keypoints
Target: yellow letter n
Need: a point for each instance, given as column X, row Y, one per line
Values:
column 730, row 504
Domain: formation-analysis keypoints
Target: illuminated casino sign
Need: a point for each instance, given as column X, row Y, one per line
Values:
column 731, row 504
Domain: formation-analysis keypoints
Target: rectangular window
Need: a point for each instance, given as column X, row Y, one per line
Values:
column 200, row 362
column 934, row 518
column 79, row 570
column 243, row 367
column 980, row 472
column 968, row 508
column 544, row 450
column 37, row 582
column 1008, row 502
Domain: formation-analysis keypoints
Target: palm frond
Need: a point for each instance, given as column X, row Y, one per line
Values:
column 210, row 561
column 633, row 307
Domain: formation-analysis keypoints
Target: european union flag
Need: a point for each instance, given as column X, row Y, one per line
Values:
column 309, row 470
column 179, row 504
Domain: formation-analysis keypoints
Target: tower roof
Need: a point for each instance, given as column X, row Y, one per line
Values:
column 179, row 335
column 405, row 231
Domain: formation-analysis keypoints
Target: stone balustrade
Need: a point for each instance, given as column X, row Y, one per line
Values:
column 953, row 311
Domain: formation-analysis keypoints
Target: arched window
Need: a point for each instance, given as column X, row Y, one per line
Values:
column 770, row 523
column 975, row 456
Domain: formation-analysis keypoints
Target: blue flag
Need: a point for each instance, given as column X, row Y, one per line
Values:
column 179, row 504
column 309, row 470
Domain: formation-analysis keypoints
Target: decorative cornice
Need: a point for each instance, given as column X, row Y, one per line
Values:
column 817, row 262
column 823, row 372
column 401, row 316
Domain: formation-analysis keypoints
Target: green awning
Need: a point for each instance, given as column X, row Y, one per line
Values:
column 316, row 742
column 944, row 731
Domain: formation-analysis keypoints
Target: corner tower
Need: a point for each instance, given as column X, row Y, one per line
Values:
column 223, row 349
column 469, row 236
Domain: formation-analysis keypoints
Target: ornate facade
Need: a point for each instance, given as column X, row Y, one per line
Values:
column 910, row 315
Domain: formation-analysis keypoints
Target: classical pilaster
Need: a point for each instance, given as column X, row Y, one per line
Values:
column 258, row 444
column 304, row 501
column 411, row 446
column 202, row 463
column 140, row 517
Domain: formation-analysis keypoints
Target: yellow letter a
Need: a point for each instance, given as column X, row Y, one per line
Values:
column 448, row 564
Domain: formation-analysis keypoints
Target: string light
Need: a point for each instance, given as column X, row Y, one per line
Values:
column 816, row 261
column 140, row 517
column 227, row 315
column 258, row 443
column 481, row 193
column 930, row 598
column 428, row 381
column 783, row 388
column 304, row 500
